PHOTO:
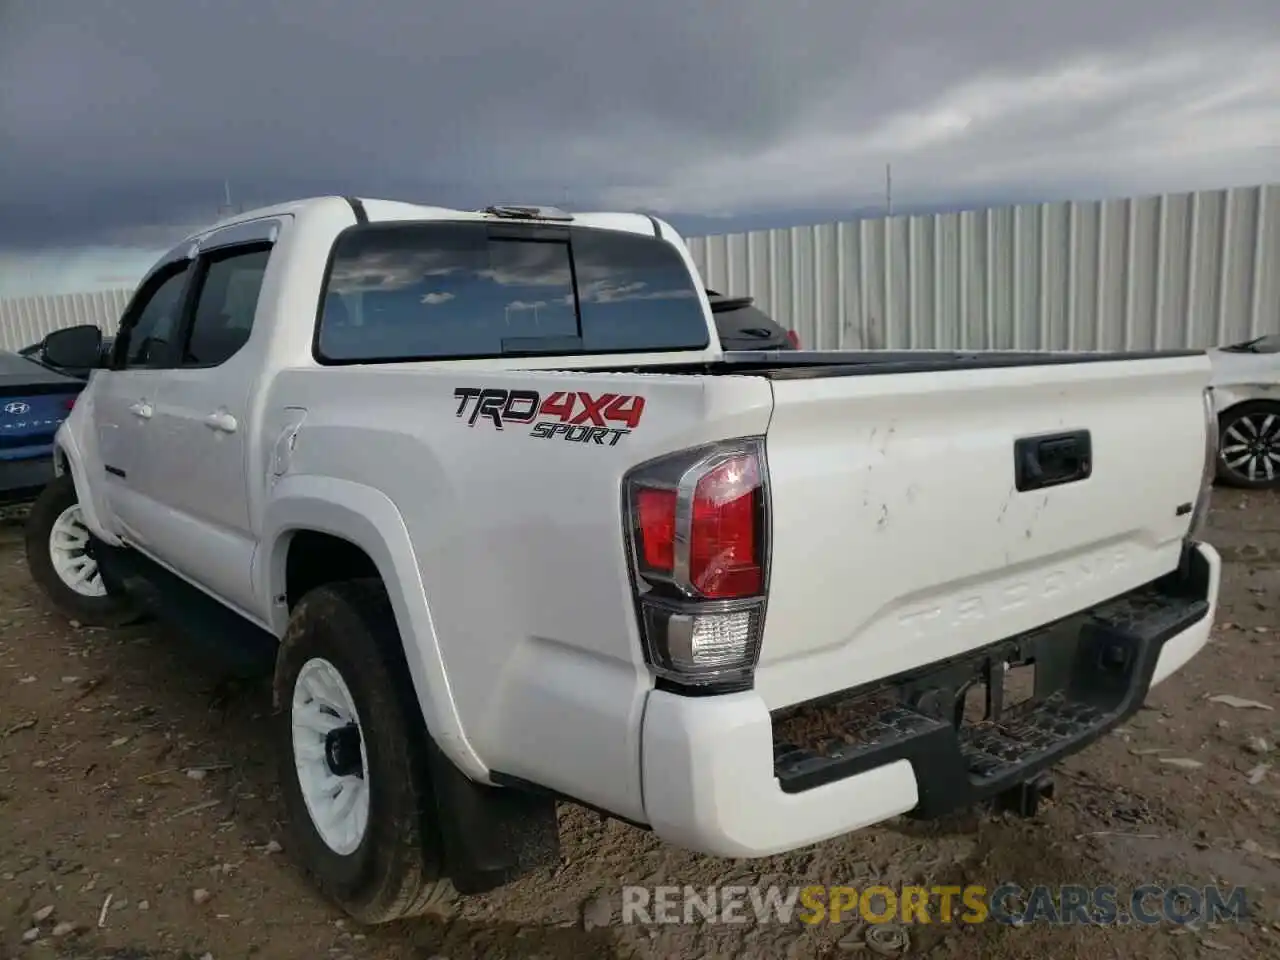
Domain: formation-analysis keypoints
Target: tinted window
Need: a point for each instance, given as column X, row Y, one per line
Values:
column 463, row 290
column 225, row 306
column 152, row 333
column 749, row 328
column 635, row 294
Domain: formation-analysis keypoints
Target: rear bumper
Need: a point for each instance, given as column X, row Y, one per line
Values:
column 723, row 776
column 22, row 480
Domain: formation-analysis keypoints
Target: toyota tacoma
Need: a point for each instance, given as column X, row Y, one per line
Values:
column 516, row 529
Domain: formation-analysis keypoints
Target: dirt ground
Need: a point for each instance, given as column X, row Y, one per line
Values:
column 138, row 817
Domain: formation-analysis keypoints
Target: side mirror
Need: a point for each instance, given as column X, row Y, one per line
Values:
column 78, row 347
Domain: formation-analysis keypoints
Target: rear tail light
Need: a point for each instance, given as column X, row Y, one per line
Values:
column 794, row 339
column 698, row 533
column 69, row 403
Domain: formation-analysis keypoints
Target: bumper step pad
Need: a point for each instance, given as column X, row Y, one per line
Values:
column 1092, row 670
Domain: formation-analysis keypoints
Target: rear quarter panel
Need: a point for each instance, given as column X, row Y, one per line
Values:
column 519, row 542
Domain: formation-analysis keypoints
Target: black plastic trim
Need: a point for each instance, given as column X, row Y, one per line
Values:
column 357, row 207
column 1051, row 460
column 657, row 227
column 114, row 471
column 519, row 783
column 717, row 689
column 817, row 365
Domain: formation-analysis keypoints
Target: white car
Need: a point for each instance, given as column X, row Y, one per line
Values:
column 1246, row 382
column 515, row 529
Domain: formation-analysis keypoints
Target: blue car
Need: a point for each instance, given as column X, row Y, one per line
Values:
column 34, row 400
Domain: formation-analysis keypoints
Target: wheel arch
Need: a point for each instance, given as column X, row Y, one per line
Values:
column 1230, row 396
column 330, row 511
column 1233, row 400
column 67, row 458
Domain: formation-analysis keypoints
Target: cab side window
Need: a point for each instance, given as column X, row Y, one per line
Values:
column 225, row 305
column 148, row 340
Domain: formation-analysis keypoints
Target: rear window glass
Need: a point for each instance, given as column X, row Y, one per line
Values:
column 747, row 322
column 454, row 290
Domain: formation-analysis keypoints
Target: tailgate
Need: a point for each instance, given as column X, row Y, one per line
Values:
column 900, row 534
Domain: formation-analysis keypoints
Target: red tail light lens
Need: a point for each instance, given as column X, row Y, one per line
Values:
column 723, row 560
column 794, row 339
column 697, row 523
column 70, row 402
column 656, row 520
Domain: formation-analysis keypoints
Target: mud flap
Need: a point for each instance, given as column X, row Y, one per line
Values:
column 490, row 835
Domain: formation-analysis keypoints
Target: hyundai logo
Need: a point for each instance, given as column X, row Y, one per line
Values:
column 17, row 407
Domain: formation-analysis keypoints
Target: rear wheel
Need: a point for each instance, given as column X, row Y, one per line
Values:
column 353, row 769
column 1249, row 445
column 60, row 556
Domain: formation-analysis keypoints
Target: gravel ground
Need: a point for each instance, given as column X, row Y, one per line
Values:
column 138, row 818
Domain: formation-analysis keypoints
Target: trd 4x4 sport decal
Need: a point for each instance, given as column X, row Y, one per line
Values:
column 574, row 415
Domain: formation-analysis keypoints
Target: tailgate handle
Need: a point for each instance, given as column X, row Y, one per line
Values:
column 1049, row 461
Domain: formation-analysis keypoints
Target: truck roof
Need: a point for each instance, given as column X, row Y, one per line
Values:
column 379, row 211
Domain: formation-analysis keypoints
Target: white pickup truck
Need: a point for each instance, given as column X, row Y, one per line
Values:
column 516, row 530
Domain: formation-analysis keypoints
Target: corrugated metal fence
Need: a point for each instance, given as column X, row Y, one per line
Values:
column 26, row 320
column 1178, row 270
column 1189, row 269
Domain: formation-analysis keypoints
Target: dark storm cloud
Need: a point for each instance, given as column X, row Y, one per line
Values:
column 121, row 120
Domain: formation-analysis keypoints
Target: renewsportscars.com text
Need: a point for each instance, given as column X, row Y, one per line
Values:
column 1146, row 904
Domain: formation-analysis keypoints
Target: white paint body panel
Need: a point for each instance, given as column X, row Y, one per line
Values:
column 708, row 770
column 897, row 537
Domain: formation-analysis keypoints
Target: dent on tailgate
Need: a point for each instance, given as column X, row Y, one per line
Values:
column 905, row 533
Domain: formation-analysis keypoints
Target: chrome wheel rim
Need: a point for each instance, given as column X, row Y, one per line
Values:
column 1251, row 447
column 71, row 552
column 328, row 754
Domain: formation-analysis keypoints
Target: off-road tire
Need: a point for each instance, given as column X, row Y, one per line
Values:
column 116, row 609
column 395, row 871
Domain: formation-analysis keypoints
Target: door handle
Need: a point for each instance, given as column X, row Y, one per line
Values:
column 221, row 421
column 142, row 409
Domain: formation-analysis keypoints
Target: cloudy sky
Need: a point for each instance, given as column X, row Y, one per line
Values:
column 120, row 120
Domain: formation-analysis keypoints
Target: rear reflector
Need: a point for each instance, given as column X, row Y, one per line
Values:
column 656, row 513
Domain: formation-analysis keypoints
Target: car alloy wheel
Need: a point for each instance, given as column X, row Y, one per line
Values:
column 1250, row 446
